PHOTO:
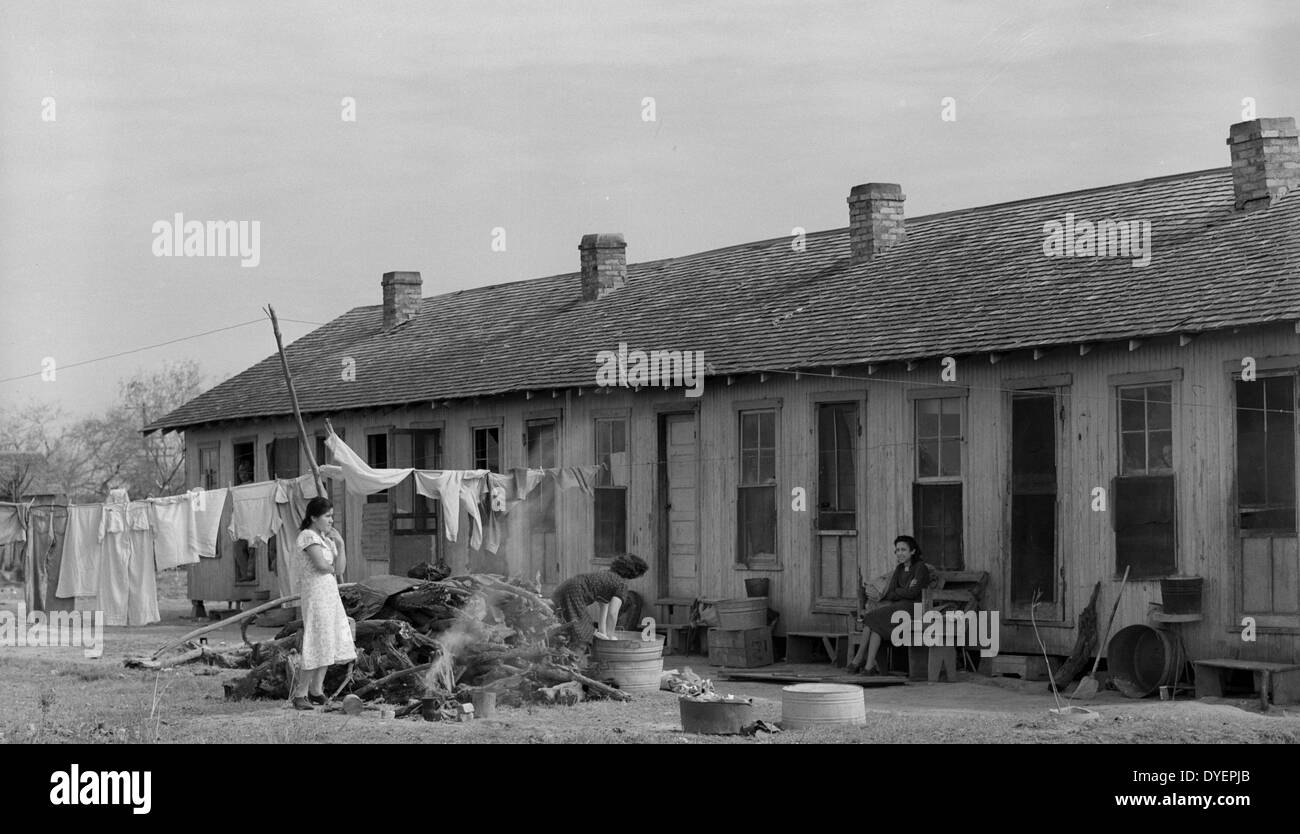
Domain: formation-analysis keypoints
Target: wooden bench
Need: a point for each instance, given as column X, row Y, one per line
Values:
column 801, row 646
column 1275, row 682
column 673, row 621
column 950, row 590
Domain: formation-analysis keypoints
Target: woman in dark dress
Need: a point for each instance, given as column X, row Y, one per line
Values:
column 910, row 578
column 607, row 587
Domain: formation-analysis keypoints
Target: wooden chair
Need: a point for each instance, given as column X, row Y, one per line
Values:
column 950, row 590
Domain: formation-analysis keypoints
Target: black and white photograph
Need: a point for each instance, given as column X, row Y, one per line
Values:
column 714, row 374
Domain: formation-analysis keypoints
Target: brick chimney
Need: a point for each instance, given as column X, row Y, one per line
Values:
column 401, row 297
column 604, row 264
column 875, row 219
column 1265, row 161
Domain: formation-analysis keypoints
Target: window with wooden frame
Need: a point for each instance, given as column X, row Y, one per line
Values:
column 284, row 458
column 937, row 492
column 487, row 448
column 377, row 458
column 1266, row 453
column 835, row 559
column 415, row 514
column 610, row 510
column 210, row 465
column 245, row 461
column 756, row 498
column 1143, row 495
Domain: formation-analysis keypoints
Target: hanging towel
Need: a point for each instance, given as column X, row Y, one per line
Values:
column 526, row 480
column 583, row 477
column 208, row 506
column 175, row 542
column 443, row 486
column 13, row 523
column 254, row 518
column 79, row 573
column 358, row 475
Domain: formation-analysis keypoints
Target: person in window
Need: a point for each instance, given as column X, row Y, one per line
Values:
column 326, row 631
column 910, row 578
column 608, row 588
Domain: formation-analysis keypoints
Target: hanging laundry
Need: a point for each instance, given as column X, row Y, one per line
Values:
column 128, row 590
column 443, row 486
column 583, row 477
column 526, row 480
column 503, row 496
column 46, row 532
column 208, row 506
column 13, row 523
column 356, row 472
column 175, row 542
column 79, row 572
column 291, row 505
column 254, row 518
column 472, row 489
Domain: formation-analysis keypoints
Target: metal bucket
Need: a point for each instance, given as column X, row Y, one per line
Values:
column 1181, row 594
column 1141, row 659
column 738, row 614
column 807, row 705
column 723, row 718
column 757, row 587
column 635, row 665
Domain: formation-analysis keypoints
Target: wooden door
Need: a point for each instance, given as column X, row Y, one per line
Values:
column 679, row 501
column 543, row 549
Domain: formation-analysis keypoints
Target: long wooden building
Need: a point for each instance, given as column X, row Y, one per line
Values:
column 1052, row 390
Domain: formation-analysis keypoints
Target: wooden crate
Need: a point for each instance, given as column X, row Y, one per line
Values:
column 740, row 648
column 1029, row 667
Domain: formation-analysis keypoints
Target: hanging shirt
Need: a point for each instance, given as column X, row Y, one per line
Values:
column 503, row 496
column 79, row 572
column 13, row 523
column 208, row 507
column 455, row 489
column 254, row 517
column 175, row 542
column 356, row 472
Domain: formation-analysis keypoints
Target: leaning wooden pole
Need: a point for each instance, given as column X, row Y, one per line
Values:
column 293, row 399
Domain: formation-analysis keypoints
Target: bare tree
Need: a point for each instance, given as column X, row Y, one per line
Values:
column 120, row 455
column 40, row 451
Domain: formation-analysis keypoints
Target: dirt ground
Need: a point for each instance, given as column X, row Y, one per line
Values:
column 57, row 696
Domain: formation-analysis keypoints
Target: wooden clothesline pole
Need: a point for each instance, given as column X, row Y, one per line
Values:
column 293, row 399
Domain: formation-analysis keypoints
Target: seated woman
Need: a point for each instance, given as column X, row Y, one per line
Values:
column 607, row 587
column 910, row 578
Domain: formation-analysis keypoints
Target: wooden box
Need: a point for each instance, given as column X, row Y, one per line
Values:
column 740, row 648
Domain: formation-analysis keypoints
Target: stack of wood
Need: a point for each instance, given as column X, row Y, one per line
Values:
column 436, row 639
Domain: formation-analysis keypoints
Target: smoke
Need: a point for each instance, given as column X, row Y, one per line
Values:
column 452, row 642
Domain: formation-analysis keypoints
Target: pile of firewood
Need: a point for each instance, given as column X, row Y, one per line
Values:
column 432, row 642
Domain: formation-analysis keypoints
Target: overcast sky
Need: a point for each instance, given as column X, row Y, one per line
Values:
column 529, row 117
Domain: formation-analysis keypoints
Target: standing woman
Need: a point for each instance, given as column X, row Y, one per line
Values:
column 910, row 578
column 326, row 633
column 606, row 587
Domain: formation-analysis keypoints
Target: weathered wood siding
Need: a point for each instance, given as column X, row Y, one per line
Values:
column 1208, row 544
